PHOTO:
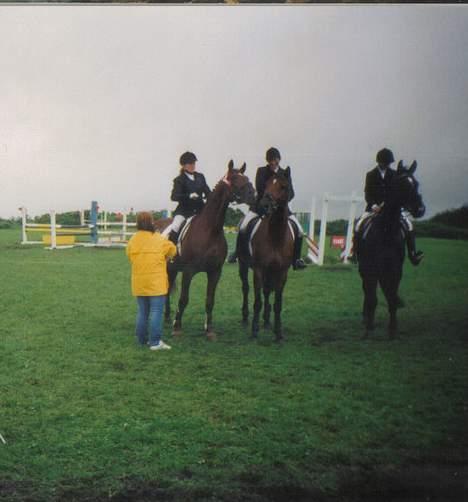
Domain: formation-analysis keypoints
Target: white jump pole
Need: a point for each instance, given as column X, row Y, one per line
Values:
column 312, row 220
column 323, row 229
column 24, row 220
column 105, row 220
column 82, row 221
column 124, row 226
column 53, row 230
column 349, row 233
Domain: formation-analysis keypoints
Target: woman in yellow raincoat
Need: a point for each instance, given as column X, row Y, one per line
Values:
column 148, row 253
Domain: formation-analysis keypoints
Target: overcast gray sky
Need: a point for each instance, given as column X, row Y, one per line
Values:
column 98, row 102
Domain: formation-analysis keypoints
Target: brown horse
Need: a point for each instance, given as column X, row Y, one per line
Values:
column 204, row 247
column 272, row 255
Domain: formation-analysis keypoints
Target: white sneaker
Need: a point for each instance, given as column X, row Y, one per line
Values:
column 160, row 346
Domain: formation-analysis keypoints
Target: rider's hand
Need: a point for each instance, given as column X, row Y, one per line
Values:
column 194, row 196
column 376, row 208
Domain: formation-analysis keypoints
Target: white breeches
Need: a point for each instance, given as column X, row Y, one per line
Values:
column 299, row 226
column 405, row 216
column 246, row 220
column 251, row 215
column 175, row 225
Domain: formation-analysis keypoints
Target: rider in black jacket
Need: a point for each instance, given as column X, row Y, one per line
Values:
column 273, row 158
column 189, row 190
column 377, row 183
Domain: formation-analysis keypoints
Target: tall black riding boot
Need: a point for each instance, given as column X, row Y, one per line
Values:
column 173, row 237
column 298, row 262
column 414, row 256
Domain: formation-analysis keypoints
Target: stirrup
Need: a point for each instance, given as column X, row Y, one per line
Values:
column 416, row 258
column 299, row 264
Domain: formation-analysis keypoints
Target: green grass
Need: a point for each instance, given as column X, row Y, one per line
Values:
column 87, row 415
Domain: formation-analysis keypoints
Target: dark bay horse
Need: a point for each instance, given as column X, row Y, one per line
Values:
column 272, row 255
column 380, row 244
column 204, row 246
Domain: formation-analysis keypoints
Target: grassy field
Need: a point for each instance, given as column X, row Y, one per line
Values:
column 86, row 415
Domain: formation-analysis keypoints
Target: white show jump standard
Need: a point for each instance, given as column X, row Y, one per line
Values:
column 93, row 228
column 317, row 252
column 54, row 229
column 110, row 237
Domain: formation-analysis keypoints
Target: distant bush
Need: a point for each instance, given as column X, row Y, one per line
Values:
column 430, row 228
column 336, row 227
column 453, row 217
column 70, row 218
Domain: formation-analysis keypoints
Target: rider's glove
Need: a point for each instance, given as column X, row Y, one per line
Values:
column 194, row 196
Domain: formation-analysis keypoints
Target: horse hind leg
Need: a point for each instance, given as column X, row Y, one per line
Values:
column 278, row 328
column 257, row 303
column 266, row 308
column 244, row 276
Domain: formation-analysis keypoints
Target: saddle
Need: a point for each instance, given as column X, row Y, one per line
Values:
column 245, row 238
column 178, row 237
column 364, row 224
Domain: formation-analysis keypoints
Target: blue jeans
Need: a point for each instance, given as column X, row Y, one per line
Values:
column 150, row 308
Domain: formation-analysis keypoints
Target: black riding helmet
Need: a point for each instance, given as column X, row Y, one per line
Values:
column 385, row 157
column 187, row 158
column 272, row 154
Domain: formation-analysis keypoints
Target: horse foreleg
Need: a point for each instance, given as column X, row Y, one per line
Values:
column 258, row 283
column 213, row 279
column 244, row 276
column 183, row 301
column 172, row 275
column 369, row 286
column 278, row 329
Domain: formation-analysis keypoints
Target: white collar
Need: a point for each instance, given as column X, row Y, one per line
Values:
column 190, row 175
column 382, row 171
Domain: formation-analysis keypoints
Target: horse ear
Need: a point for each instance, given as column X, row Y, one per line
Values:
column 231, row 165
column 287, row 171
column 400, row 167
column 413, row 167
column 243, row 168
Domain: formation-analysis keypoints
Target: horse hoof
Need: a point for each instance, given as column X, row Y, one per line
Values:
column 245, row 323
column 267, row 325
column 211, row 336
column 279, row 339
column 177, row 332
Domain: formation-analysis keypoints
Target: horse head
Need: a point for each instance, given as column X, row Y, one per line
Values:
column 242, row 190
column 407, row 190
column 276, row 192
